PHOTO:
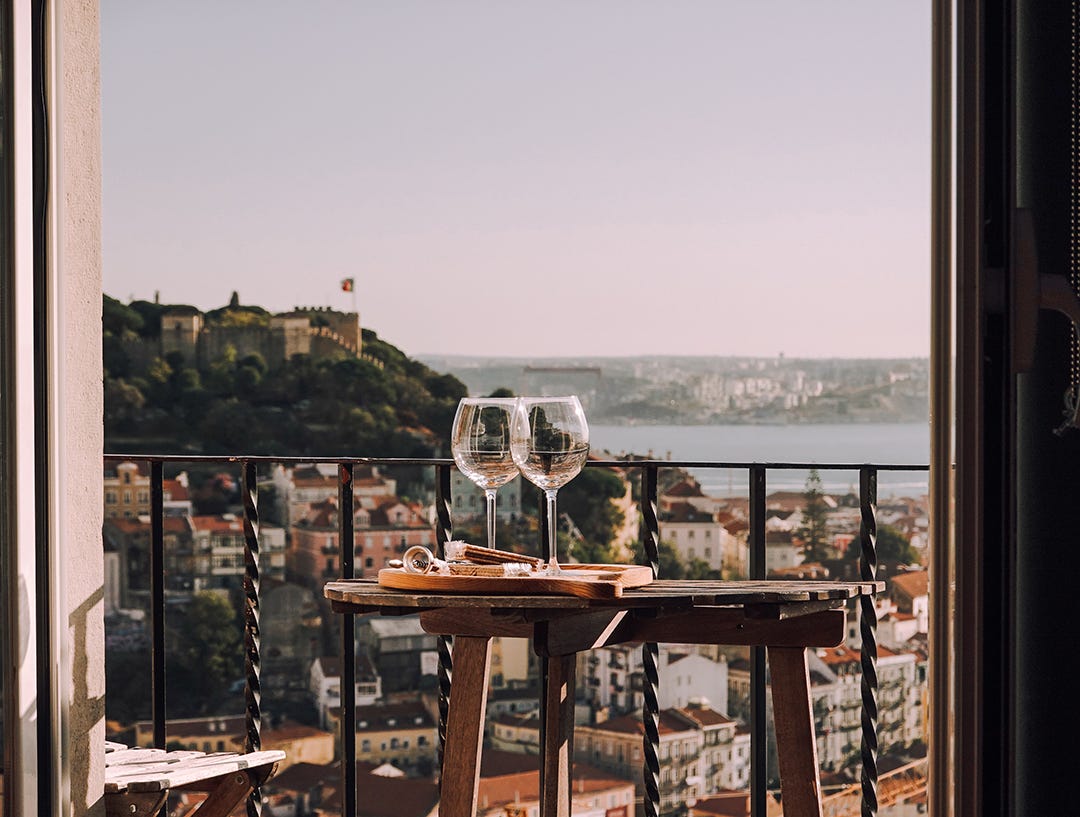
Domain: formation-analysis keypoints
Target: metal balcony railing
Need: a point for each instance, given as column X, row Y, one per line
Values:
column 648, row 471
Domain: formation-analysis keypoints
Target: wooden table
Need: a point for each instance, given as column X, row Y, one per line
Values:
column 138, row 781
column 785, row 617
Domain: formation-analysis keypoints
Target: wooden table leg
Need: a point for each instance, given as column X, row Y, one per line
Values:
column 796, row 743
column 557, row 735
column 465, row 727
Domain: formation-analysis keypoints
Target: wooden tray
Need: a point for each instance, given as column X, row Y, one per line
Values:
column 587, row 581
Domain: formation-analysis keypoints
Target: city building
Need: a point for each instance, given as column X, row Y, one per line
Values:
column 403, row 734
column 324, row 685
column 218, row 541
column 127, row 491
column 610, row 680
column 696, row 535
column 511, row 793
column 402, row 653
column 469, row 502
column 836, row 694
column 384, row 527
column 297, row 488
column 701, row 751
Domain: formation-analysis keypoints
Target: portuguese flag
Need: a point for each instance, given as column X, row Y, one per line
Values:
column 347, row 284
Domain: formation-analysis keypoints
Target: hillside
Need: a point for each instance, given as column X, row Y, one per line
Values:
column 229, row 400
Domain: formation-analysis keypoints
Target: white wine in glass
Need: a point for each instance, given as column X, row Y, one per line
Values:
column 480, row 442
column 550, row 442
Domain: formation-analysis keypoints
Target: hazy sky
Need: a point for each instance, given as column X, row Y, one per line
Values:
column 553, row 177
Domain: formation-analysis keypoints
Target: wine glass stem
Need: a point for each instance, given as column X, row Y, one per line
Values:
column 489, row 494
column 553, row 532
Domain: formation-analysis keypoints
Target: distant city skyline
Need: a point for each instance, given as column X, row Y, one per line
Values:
column 558, row 179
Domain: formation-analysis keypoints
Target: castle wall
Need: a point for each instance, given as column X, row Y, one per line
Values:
column 180, row 333
column 292, row 336
column 327, row 344
column 214, row 341
column 347, row 325
column 287, row 336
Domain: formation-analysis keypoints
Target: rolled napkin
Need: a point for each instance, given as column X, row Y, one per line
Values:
column 502, row 570
column 458, row 551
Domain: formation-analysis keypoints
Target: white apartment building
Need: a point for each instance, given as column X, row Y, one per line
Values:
column 324, row 684
column 696, row 534
column 701, row 751
column 468, row 501
column 835, row 689
column 611, row 679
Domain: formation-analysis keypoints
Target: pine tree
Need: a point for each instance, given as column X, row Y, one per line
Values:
column 812, row 529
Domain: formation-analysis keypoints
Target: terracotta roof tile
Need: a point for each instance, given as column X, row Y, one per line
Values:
column 913, row 583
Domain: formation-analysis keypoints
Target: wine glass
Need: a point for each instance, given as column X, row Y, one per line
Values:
column 480, row 441
column 550, row 443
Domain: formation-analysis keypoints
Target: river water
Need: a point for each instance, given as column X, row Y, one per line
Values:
column 880, row 443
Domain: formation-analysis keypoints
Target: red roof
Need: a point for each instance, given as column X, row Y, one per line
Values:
column 839, row 656
column 503, row 790
column 385, row 796
column 687, row 487
column 382, row 717
column 913, row 583
column 670, row 723
column 725, row 803
column 174, row 491
column 218, row 523
column 704, row 715
column 133, row 526
column 685, row 512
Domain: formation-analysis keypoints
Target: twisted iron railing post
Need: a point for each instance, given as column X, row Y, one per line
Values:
column 650, row 652
column 444, row 532
column 868, row 631
column 347, row 552
column 157, row 601
column 759, row 755
column 252, row 661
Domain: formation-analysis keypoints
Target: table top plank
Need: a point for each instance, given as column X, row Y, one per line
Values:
column 366, row 594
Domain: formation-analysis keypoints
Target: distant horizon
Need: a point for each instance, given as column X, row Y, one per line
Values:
column 523, row 357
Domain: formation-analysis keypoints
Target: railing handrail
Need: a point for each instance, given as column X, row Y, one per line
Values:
column 114, row 456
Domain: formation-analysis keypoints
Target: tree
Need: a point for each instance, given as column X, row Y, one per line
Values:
column 208, row 656
column 894, row 547
column 699, row 569
column 670, row 564
column 812, row 530
column 117, row 319
column 123, row 404
column 588, row 500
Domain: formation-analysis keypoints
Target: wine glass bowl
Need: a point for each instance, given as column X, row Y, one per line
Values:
column 480, row 443
column 550, row 444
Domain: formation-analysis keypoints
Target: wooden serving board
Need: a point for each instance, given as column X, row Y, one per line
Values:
column 587, row 581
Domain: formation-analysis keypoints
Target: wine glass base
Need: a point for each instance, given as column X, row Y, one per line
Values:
column 551, row 569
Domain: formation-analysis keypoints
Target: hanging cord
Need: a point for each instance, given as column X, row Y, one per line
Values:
column 1072, row 392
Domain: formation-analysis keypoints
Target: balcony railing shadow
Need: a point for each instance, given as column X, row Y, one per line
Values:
column 647, row 472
